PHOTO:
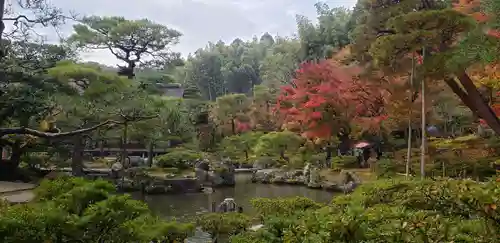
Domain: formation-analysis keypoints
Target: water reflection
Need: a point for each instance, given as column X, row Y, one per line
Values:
column 185, row 206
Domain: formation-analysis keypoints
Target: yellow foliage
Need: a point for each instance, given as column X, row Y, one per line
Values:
column 488, row 75
column 470, row 141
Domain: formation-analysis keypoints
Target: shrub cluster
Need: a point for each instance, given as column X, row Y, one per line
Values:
column 76, row 210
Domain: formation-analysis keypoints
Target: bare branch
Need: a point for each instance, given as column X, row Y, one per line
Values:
column 18, row 18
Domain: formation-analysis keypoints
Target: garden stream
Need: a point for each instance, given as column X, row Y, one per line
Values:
column 185, row 207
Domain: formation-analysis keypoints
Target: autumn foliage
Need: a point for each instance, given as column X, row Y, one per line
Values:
column 473, row 9
column 325, row 97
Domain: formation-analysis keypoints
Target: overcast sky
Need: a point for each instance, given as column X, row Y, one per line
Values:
column 201, row 21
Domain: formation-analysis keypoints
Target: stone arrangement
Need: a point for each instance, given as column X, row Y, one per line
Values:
column 309, row 177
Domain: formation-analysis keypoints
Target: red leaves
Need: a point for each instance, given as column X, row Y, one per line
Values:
column 494, row 33
column 473, row 9
column 420, row 59
column 324, row 94
column 242, row 126
column 316, row 115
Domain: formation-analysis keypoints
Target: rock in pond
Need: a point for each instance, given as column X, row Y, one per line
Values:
column 223, row 174
column 309, row 177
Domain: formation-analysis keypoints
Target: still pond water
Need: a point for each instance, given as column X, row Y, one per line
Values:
column 186, row 206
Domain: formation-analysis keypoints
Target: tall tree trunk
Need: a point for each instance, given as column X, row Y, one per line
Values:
column 423, row 148
column 4, row 153
column 464, row 97
column 2, row 24
column 9, row 168
column 77, row 156
column 101, row 148
column 210, row 92
column 329, row 154
column 283, row 156
column 233, row 126
column 483, row 109
column 150, row 153
column 16, row 153
column 408, row 152
column 124, row 156
column 410, row 113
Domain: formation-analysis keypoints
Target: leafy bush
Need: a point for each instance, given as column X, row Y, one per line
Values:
column 178, row 158
column 391, row 211
column 76, row 210
column 175, row 171
column 268, row 161
column 278, row 144
column 283, row 206
column 455, row 163
column 297, row 162
column 37, row 160
column 344, row 162
column 239, row 147
column 386, row 168
column 222, row 225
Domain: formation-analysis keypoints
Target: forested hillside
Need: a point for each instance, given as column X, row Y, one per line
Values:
column 224, row 68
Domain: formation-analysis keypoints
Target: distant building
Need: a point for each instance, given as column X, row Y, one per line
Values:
column 173, row 90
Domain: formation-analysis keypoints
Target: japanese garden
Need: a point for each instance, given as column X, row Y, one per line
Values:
column 378, row 123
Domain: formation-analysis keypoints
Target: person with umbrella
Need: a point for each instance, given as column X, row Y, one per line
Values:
column 362, row 152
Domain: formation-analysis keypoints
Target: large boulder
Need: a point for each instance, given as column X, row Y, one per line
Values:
column 223, row 175
column 202, row 176
column 201, row 171
column 116, row 170
column 202, row 165
column 128, row 185
column 314, row 180
column 264, row 175
column 228, row 205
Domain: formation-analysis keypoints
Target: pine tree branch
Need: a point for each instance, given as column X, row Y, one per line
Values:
column 34, row 132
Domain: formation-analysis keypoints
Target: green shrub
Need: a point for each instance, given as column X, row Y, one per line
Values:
column 300, row 160
column 297, row 162
column 77, row 210
column 175, row 171
column 386, row 168
column 268, row 161
column 223, row 225
column 344, row 162
column 239, row 147
column 278, row 144
column 389, row 211
column 37, row 159
column 283, row 206
column 178, row 158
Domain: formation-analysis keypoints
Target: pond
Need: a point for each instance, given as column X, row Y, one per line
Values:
column 186, row 206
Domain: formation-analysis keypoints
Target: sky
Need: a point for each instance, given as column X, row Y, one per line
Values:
column 200, row 21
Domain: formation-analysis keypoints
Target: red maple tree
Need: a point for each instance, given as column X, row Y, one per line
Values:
column 325, row 97
column 473, row 9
